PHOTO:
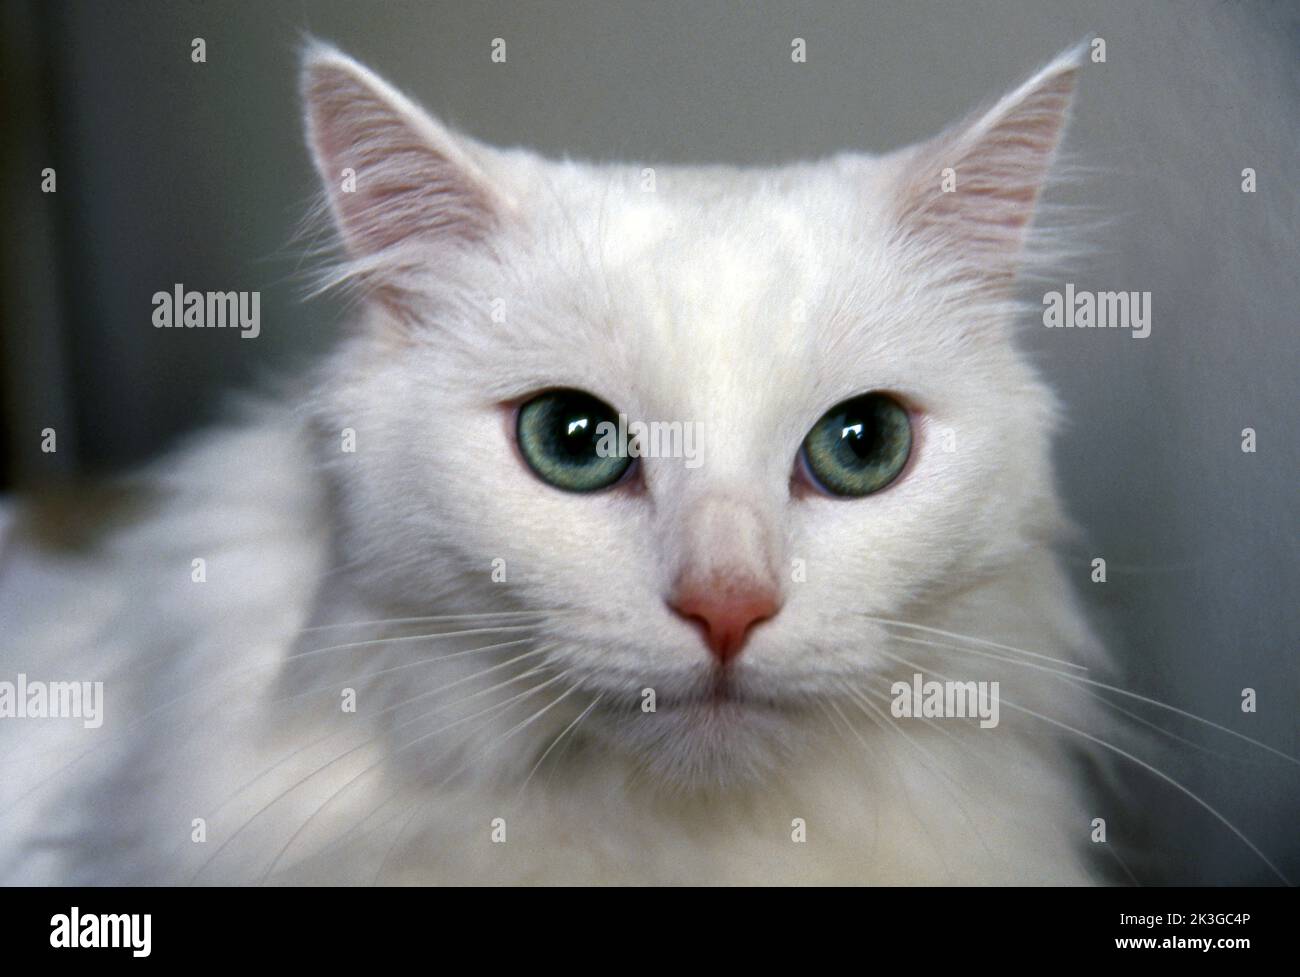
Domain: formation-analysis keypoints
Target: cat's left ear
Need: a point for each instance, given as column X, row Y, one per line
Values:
column 971, row 191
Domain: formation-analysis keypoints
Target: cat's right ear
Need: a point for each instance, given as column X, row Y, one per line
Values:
column 968, row 195
column 396, row 179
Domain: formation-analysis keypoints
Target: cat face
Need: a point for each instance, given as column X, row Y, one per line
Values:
column 835, row 337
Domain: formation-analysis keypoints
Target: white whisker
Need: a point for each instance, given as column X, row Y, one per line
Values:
column 1109, row 688
column 966, row 637
column 500, row 706
column 323, row 767
column 556, row 742
column 436, row 618
column 1204, row 804
column 517, row 728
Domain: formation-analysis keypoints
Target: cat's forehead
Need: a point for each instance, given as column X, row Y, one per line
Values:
column 631, row 215
column 695, row 284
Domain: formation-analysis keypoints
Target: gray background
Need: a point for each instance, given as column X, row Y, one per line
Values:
column 174, row 172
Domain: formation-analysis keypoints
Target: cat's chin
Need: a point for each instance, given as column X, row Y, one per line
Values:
column 706, row 742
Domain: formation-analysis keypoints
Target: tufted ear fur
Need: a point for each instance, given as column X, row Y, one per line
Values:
column 972, row 190
column 400, row 185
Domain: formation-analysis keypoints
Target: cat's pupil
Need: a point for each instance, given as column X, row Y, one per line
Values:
column 576, row 436
column 856, row 433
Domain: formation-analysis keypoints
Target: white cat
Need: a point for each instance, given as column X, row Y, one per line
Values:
column 409, row 625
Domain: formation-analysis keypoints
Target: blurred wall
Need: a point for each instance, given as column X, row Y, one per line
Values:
column 170, row 171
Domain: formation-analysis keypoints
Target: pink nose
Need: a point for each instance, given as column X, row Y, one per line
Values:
column 726, row 614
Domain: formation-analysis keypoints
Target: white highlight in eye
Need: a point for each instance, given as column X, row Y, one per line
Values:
column 578, row 425
column 854, row 429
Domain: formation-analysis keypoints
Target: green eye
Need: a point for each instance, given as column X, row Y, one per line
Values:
column 559, row 436
column 859, row 446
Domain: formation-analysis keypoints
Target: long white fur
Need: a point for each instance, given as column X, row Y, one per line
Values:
column 676, row 304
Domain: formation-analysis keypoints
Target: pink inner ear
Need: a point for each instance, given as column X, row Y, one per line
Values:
column 1000, row 161
column 406, row 186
